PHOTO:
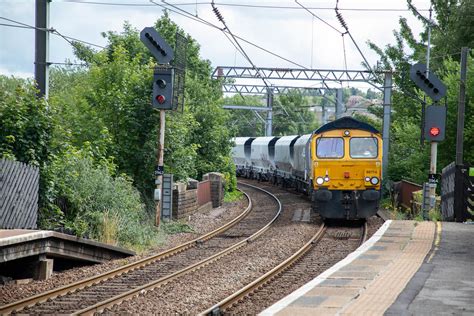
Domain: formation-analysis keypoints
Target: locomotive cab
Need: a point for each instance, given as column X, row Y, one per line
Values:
column 346, row 169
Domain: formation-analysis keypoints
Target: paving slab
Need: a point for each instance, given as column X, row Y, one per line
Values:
column 444, row 285
column 367, row 281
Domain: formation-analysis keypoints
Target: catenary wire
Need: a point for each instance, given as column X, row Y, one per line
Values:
column 344, row 25
column 52, row 31
column 18, row 26
column 241, row 5
column 317, row 17
column 201, row 20
column 267, row 84
column 189, row 15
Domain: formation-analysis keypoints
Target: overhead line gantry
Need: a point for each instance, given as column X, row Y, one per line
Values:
column 325, row 76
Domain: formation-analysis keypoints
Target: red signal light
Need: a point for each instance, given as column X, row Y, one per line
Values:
column 434, row 131
column 160, row 99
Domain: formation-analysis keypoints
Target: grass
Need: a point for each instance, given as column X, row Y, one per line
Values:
column 109, row 228
column 176, row 227
column 435, row 215
column 232, row 196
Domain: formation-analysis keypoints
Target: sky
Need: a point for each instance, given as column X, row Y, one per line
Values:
column 292, row 33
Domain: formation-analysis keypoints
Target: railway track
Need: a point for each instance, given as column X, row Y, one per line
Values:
column 305, row 264
column 97, row 293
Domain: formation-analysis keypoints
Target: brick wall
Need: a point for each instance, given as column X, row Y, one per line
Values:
column 185, row 195
column 217, row 187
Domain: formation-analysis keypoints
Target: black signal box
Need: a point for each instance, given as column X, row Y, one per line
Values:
column 435, row 123
column 163, row 88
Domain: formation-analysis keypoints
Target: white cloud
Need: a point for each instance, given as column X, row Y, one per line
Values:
column 18, row 74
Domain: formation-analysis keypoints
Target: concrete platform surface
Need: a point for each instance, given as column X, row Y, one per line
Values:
column 22, row 243
column 444, row 285
column 367, row 281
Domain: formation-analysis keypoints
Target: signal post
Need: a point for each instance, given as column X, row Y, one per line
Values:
column 162, row 100
column 434, row 126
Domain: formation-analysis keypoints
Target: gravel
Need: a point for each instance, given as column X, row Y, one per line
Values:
column 200, row 222
column 325, row 254
column 197, row 291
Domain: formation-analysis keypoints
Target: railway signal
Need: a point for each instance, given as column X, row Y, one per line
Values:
column 435, row 123
column 429, row 83
column 157, row 46
column 163, row 89
column 162, row 100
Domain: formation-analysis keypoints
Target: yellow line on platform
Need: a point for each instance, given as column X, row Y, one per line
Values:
column 437, row 241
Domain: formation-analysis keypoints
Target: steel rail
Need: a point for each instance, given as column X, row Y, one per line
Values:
column 70, row 288
column 99, row 307
column 267, row 277
column 364, row 233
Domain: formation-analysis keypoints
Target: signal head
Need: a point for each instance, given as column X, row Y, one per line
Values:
column 161, row 83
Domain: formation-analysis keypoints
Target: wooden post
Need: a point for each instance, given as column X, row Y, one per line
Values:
column 159, row 171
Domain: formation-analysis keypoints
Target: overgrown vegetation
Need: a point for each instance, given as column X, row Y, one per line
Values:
column 232, row 196
column 175, row 227
column 95, row 141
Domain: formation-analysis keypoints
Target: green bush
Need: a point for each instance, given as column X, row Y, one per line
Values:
column 95, row 204
column 231, row 196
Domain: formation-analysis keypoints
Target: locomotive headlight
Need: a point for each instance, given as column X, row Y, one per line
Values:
column 367, row 179
column 347, row 133
column 320, row 180
column 374, row 180
column 326, row 178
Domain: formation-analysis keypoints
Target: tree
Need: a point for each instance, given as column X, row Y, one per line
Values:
column 292, row 116
column 111, row 108
column 25, row 131
column 448, row 35
column 246, row 123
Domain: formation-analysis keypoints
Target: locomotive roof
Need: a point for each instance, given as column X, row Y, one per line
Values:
column 346, row 123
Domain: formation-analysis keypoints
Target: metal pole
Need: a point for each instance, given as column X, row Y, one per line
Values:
column 339, row 103
column 159, row 175
column 434, row 145
column 461, row 106
column 42, row 46
column 323, row 114
column 387, row 105
column 269, row 122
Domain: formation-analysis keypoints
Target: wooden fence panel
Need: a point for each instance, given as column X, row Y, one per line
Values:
column 19, row 184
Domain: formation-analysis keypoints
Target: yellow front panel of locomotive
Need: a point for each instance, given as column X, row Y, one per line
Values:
column 346, row 173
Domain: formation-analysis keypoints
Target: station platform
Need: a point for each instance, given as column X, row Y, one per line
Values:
column 38, row 248
column 405, row 268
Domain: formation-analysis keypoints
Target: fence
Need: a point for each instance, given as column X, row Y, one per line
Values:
column 19, row 184
column 457, row 193
column 404, row 193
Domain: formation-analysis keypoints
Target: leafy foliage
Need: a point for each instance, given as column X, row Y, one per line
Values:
column 291, row 115
column 450, row 33
column 97, row 205
column 96, row 141
column 25, row 131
